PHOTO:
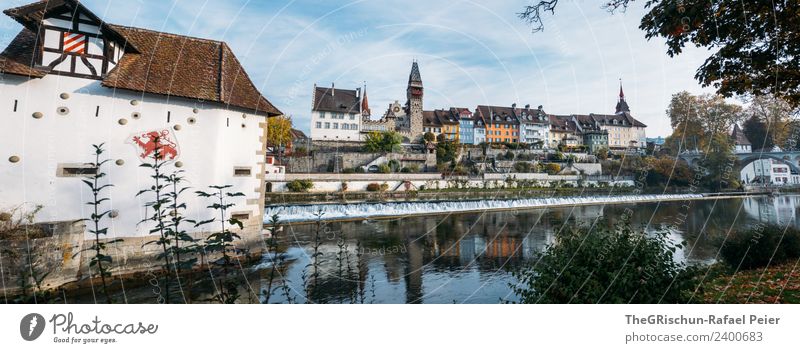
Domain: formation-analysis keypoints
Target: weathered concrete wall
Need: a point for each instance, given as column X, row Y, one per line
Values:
column 332, row 182
column 65, row 254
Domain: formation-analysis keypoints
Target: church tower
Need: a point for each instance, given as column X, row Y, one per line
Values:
column 414, row 103
column 622, row 105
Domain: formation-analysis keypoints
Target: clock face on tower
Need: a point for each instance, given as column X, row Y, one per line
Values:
column 396, row 109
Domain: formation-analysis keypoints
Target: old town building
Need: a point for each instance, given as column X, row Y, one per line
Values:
column 70, row 80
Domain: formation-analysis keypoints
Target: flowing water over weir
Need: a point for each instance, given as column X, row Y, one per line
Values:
column 303, row 213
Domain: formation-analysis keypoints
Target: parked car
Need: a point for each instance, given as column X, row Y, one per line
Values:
column 373, row 169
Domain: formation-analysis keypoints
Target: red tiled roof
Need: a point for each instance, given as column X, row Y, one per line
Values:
column 154, row 62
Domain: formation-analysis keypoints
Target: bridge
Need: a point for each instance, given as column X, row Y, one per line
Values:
column 791, row 158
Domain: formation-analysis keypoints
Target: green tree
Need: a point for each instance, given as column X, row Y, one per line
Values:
column 604, row 264
column 719, row 164
column 429, row 137
column 279, row 132
column 757, row 132
column 754, row 43
column 695, row 119
column 385, row 141
column 776, row 114
column 446, row 151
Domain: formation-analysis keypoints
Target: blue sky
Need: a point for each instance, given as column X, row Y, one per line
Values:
column 469, row 52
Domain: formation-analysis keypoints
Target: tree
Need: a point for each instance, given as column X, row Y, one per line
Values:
column 667, row 169
column 776, row 115
column 386, row 141
column 446, row 151
column 279, row 131
column 754, row 43
column 604, row 264
column 758, row 133
column 429, row 137
column 719, row 164
column 695, row 119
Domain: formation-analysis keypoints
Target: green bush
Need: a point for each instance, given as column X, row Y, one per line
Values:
column 552, row 168
column 522, row 167
column 300, row 185
column 605, row 264
column 385, row 169
column 405, row 170
column 360, row 170
column 348, row 171
column 394, row 165
column 373, row 187
column 761, row 246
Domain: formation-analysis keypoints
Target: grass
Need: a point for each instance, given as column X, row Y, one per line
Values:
column 775, row 284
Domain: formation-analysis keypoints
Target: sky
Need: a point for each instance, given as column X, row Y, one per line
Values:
column 469, row 52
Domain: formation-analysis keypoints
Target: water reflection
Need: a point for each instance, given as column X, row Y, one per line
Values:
column 466, row 257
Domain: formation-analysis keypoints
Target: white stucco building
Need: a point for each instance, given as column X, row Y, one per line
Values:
column 90, row 82
column 768, row 171
column 336, row 114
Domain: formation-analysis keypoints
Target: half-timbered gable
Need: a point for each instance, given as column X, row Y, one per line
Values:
column 71, row 40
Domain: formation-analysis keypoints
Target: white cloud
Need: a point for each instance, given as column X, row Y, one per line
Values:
column 470, row 52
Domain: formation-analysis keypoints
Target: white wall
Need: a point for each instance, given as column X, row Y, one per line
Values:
column 329, row 133
column 209, row 148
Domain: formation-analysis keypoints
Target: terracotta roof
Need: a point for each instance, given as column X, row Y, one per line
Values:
column 331, row 99
column 154, row 62
column 429, row 118
column 623, row 119
column 562, row 123
column 18, row 59
column 497, row 115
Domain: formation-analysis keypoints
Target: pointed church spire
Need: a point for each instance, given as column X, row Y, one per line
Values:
column 365, row 103
column 415, row 76
column 622, row 105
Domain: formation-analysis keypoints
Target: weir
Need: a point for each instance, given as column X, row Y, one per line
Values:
column 305, row 213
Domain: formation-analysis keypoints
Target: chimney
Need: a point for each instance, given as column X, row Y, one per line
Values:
column 540, row 107
column 514, row 105
column 527, row 106
column 333, row 90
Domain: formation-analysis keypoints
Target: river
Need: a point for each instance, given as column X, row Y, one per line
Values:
column 466, row 256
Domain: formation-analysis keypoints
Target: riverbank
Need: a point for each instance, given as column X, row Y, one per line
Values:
column 771, row 285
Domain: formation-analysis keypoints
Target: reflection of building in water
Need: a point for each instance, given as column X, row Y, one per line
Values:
column 777, row 209
column 768, row 171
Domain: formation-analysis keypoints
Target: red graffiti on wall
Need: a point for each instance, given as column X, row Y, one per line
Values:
column 148, row 142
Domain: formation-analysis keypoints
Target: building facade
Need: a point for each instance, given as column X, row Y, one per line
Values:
column 624, row 131
column 336, row 114
column 741, row 144
column 534, row 128
column 594, row 137
column 767, row 171
column 70, row 80
column 466, row 128
column 501, row 123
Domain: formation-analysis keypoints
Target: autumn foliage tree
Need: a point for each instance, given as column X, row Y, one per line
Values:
column 279, row 132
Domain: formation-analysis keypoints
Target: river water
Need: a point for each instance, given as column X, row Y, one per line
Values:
column 465, row 256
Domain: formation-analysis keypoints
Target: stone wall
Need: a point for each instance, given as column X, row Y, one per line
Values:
column 65, row 255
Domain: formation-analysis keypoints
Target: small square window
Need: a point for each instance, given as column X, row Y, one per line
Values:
column 242, row 171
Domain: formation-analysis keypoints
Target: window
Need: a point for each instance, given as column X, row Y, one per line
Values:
column 335, row 125
column 319, row 125
column 242, row 171
column 352, row 116
column 241, row 216
column 71, row 170
column 322, row 115
column 327, row 125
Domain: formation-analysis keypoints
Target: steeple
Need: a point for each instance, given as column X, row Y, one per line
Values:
column 622, row 105
column 415, row 78
column 365, row 103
